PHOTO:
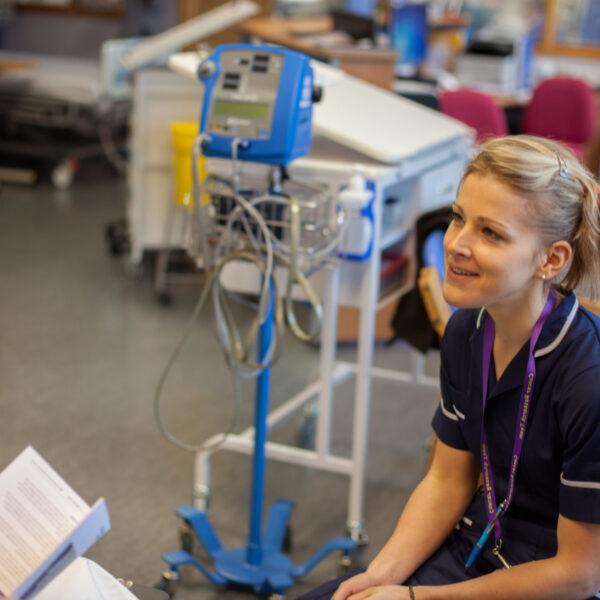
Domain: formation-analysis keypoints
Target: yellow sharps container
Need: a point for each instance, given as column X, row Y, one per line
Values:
column 184, row 133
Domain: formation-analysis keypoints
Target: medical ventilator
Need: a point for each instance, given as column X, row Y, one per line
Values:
column 257, row 108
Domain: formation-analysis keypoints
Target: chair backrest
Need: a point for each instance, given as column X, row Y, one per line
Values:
column 432, row 252
column 564, row 109
column 431, row 277
column 477, row 110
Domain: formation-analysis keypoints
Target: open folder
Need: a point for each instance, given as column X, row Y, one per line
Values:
column 44, row 525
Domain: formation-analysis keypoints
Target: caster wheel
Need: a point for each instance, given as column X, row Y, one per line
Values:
column 358, row 558
column 191, row 544
column 286, row 545
column 117, row 238
column 186, row 536
column 344, row 565
column 164, row 298
column 168, row 583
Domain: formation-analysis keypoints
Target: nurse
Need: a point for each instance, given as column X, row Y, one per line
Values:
column 510, row 507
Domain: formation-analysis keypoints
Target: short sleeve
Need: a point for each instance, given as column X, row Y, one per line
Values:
column 446, row 422
column 579, row 422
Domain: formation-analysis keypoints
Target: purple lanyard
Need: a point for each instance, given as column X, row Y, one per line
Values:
column 524, row 405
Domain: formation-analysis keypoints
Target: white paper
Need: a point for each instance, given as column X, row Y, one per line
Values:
column 83, row 579
column 44, row 524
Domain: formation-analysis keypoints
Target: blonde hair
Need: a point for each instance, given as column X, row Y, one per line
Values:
column 561, row 195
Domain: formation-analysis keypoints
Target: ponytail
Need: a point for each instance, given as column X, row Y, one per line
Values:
column 584, row 271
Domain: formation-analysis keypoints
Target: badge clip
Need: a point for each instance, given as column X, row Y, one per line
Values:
column 496, row 552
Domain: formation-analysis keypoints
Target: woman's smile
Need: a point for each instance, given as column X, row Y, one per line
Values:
column 459, row 273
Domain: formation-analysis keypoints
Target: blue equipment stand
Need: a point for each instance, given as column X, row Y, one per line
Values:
column 260, row 564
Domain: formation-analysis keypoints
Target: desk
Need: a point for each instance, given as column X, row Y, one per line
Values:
column 375, row 65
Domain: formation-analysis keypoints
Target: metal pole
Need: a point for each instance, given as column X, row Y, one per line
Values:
column 263, row 384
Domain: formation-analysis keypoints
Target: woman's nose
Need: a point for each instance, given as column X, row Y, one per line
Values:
column 458, row 241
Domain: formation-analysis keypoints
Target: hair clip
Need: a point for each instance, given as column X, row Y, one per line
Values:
column 563, row 171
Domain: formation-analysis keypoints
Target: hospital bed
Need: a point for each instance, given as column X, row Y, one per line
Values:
column 62, row 109
column 53, row 110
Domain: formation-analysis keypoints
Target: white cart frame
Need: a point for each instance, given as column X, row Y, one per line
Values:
column 424, row 185
column 407, row 150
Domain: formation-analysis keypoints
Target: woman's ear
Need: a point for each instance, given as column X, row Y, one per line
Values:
column 555, row 258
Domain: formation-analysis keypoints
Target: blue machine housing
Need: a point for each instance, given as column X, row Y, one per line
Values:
column 290, row 131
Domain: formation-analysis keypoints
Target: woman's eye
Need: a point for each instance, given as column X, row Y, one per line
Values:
column 455, row 216
column 491, row 234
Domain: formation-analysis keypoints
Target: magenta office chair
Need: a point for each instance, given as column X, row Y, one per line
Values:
column 478, row 110
column 563, row 109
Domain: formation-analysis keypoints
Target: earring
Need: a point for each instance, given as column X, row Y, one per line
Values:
column 543, row 275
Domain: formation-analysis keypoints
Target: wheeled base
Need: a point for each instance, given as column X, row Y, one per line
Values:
column 263, row 566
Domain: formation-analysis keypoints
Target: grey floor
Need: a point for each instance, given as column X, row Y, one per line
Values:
column 82, row 344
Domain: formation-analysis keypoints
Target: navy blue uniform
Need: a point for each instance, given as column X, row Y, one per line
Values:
column 559, row 470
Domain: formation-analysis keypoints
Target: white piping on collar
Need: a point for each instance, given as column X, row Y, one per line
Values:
column 559, row 338
column 479, row 316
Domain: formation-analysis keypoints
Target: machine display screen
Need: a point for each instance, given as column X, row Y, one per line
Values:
column 246, row 110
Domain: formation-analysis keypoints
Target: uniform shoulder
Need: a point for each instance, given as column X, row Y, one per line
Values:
column 585, row 328
column 589, row 321
column 586, row 334
column 462, row 324
column 577, row 345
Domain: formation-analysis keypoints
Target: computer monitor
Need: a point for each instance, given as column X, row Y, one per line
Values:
column 408, row 35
